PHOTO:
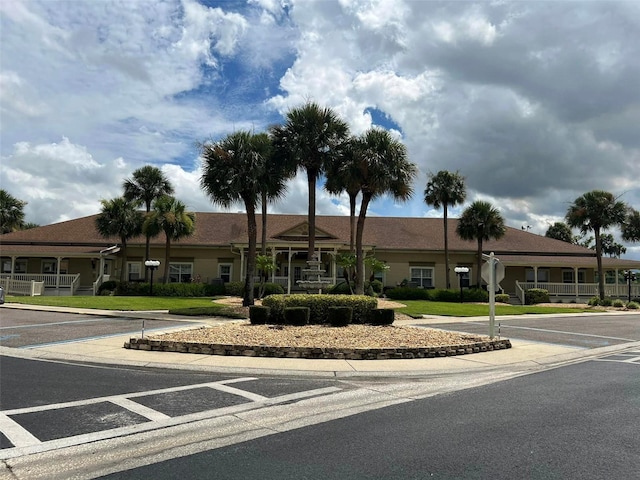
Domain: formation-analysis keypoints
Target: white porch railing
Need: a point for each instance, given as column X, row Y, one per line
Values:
column 65, row 280
column 22, row 287
column 578, row 290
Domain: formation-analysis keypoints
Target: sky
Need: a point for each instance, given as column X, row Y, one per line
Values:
column 534, row 103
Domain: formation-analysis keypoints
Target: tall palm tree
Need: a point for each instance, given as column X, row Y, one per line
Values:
column 342, row 176
column 445, row 189
column 383, row 168
column 631, row 227
column 273, row 179
column 309, row 139
column 11, row 212
column 233, row 169
column 595, row 211
column 119, row 217
column 169, row 215
column 480, row 221
column 146, row 185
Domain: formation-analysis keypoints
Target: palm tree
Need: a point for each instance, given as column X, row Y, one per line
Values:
column 273, row 179
column 595, row 211
column 146, row 185
column 480, row 221
column 383, row 168
column 169, row 215
column 11, row 212
column 309, row 139
column 445, row 189
column 631, row 227
column 119, row 217
column 233, row 169
column 342, row 176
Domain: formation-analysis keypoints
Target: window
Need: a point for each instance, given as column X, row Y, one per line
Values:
column 224, row 272
column 49, row 266
column 180, row 272
column 568, row 277
column 422, row 276
column 543, row 275
column 134, row 270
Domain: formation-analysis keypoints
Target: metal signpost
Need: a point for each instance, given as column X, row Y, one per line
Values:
column 492, row 272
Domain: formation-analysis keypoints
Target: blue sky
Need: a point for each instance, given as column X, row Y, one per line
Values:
column 534, row 103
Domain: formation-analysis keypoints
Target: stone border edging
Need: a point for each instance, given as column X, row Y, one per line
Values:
column 313, row 352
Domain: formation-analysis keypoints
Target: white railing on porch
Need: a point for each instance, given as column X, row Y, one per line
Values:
column 65, row 280
column 22, row 287
column 578, row 290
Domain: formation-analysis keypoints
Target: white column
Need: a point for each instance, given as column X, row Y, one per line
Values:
column 289, row 272
column 535, row 277
column 575, row 280
column 13, row 266
column 273, row 260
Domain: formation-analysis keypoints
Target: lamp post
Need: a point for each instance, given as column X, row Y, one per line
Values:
column 629, row 276
column 151, row 265
column 461, row 271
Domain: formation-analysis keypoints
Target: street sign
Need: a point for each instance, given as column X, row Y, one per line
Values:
column 486, row 270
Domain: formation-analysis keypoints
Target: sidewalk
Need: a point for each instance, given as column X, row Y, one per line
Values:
column 523, row 356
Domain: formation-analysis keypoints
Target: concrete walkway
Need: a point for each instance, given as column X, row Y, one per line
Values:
column 523, row 356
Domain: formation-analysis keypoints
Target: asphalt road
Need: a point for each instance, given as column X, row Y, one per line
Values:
column 31, row 328
column 578, row 421
column 584, row 331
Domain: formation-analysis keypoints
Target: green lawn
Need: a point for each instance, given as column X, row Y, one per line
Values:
column 424, row 307
column 115, row 303
column 413, row 308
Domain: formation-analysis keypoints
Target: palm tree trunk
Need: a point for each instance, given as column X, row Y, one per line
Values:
column 167, row 258
column 247, row 297
column 596, row 232
column 479, row 265
column 352, row 222
column 311, row 182
column 366, row 198
column 446, row 249
column 264, row 223
column 123, row 263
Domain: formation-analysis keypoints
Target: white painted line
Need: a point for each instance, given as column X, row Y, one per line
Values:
column 236, row 391
column 134, row 407
column 91, row 320
column 15, row 433
column 568, row 333
column 114, row 398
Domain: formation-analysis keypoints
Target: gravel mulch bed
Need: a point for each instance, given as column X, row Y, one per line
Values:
column 319, row 336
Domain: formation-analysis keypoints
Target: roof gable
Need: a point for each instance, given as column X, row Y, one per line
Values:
column 301, row 232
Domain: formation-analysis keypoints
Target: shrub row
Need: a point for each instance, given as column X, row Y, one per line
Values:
column 438, row 295
column 181, row 289
column 618, row 303
column 319, row 306
column 337, row 316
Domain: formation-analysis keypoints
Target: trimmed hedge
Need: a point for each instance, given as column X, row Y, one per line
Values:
column 438, row 295
column 382, row 316
column 298, row 316
column 258, row 314
column 405, row 293
column 236, row 289
column 502, row 297
column 319, row 306
column 192, row 289
column 536, row 295
column 340, row 316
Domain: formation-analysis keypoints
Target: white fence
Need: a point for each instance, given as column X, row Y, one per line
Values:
column 578, row 290
column 22, row 287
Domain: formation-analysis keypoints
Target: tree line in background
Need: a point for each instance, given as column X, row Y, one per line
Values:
column 254, row 168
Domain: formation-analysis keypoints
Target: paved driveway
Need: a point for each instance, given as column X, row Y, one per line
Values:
column 582, row 331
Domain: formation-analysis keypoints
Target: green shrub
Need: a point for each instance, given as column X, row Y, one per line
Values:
column 258, row 314
column 536, row 295
column 319, row 306
column 298, row 316
column 236, row 289
column 382, row 316
column 502, row 297
column 633, row 306
column 341, row 288
column 376, row 286
column 594, row 301
column 606, row 302
column 214, row 290
column 340, row 316
column 405, row 293
column 207, row 312
column 618, row 303
column 109, row 286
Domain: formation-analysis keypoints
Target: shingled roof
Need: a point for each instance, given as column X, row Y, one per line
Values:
column 221, row 229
